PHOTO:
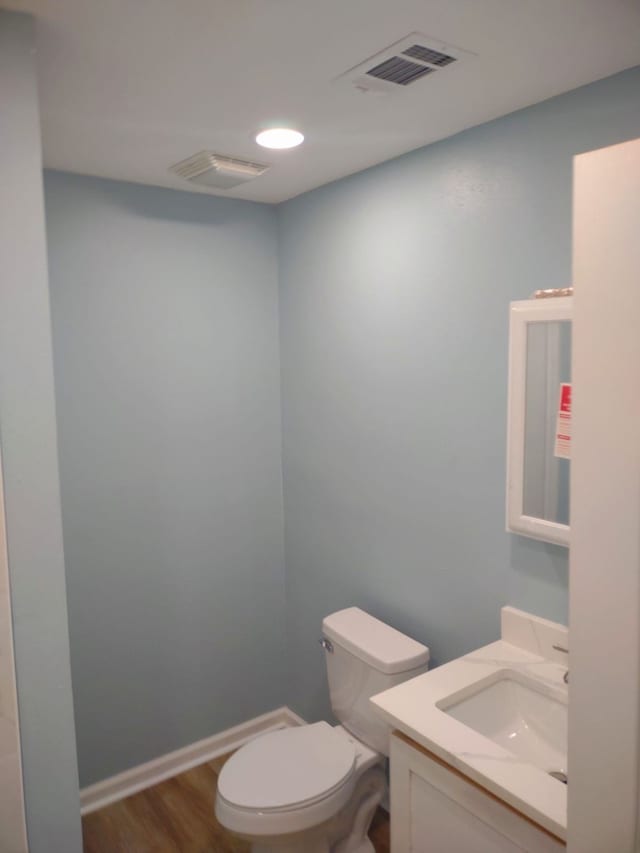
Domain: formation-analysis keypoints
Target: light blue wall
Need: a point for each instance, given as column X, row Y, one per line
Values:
column 395, row 286
column 165, row 327
column 30, row 466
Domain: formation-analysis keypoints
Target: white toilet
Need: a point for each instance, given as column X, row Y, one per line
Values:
column 315, row 788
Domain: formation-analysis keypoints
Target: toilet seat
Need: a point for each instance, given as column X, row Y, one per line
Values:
column 287, row 781
column 288, row 768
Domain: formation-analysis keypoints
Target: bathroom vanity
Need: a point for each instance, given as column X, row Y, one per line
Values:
column 478, row 752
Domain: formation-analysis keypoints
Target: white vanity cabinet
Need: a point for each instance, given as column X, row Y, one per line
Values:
column 436, row 809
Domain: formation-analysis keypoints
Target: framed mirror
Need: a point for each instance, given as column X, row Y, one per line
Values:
column 539, row 419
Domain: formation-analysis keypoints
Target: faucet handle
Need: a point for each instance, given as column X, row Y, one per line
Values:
column 565, row 677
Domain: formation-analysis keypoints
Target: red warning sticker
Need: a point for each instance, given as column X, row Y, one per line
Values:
column 562, row 447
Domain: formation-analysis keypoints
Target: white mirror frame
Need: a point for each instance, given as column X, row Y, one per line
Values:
column 522, row 314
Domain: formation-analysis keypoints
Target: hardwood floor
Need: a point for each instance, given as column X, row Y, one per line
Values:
column 177, row 816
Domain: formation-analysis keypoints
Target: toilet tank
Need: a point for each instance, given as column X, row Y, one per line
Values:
column 365, row 656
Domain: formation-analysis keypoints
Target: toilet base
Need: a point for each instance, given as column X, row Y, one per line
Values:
column 304, row 847
column 346, row 832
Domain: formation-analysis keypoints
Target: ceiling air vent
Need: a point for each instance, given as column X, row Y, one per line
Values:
column 427, row 54
column 400, row 71
column 404, row 63
column 217, row 171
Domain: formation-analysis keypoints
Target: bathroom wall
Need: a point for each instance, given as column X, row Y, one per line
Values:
column 31, row 487
column 165, row 328
column 395, row 287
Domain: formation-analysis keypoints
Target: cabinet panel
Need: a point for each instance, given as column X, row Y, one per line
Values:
column 440, row 825
column 435, row 809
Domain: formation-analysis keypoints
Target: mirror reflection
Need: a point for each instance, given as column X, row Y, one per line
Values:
column 546, row 476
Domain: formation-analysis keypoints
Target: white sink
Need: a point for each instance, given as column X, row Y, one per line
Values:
column 519, row 714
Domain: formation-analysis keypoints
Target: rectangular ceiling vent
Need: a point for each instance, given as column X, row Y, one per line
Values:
column 403, row 63
column 399, row 71
column 427, row 54
column 217, row 171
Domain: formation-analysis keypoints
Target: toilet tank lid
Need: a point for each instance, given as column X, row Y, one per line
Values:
column 374, row 642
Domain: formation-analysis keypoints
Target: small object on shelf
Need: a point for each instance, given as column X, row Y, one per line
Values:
column 553, row 292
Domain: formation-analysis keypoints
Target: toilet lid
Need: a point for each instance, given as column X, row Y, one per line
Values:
column 287, row 768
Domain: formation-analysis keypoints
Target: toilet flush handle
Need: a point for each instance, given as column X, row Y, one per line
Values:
column 327, row 645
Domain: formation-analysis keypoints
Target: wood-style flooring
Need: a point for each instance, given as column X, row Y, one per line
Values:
column 176, row 816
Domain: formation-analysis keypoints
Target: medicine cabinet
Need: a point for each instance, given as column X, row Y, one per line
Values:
column 539, row 419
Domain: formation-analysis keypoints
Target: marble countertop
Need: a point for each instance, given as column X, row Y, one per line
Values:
column 526, row 648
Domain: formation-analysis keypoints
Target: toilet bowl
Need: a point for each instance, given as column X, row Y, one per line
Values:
column 315, row 788
column 283, row 784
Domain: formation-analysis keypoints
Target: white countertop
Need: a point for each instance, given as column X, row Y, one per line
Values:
column 526, row 648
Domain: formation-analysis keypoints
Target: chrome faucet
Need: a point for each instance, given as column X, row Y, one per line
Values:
column 565, row 677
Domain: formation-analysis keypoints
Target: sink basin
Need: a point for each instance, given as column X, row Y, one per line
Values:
column 518, row 714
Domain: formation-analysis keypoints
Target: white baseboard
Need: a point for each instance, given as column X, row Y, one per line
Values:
column 101, row 794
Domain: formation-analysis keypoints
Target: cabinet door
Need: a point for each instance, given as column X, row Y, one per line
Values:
column 441, row 825
column 434, row 809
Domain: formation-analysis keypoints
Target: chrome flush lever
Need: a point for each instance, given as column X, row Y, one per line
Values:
column 327, row 645
column 565, row 677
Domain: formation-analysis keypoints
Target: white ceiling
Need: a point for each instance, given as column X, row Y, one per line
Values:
column 129, row 87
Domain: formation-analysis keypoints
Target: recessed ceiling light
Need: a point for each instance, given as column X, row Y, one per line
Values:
column 279, row 137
